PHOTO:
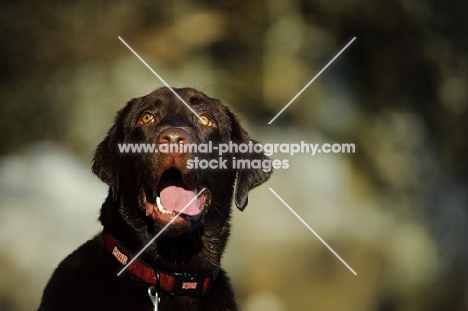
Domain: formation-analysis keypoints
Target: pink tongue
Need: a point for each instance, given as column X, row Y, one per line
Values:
column 174, row 199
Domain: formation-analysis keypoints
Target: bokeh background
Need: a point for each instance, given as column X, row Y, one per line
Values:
column 396, row 210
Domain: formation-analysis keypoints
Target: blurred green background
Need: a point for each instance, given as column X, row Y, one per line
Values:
column 396, row 210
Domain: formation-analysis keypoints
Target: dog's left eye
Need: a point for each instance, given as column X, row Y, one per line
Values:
column 205, row 120
column 146, row 118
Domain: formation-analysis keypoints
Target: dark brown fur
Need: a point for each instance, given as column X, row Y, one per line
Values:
column 87, row 279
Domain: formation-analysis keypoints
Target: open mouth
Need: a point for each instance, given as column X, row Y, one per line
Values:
column 171, row 197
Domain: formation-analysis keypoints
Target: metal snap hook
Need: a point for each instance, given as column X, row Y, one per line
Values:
column 153, row 296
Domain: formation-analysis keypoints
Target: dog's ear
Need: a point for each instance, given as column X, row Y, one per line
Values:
column 105, row 160
column 247, row 178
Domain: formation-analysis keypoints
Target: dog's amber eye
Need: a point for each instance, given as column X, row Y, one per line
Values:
column 146, row 118
column 205, row 120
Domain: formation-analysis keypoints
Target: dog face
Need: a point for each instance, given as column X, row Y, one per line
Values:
column 156, row 186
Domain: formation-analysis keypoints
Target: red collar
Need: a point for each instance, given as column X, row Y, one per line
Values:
column 174, row 283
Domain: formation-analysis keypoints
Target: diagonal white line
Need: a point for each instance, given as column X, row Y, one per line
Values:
column 312, row 230
column 160, row 232
column 310, row 82
column 159, row 77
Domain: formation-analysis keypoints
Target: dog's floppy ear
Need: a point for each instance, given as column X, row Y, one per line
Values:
column 247, row 178
column 106, row 161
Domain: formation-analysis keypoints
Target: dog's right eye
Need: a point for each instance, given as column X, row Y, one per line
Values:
column 146, row 118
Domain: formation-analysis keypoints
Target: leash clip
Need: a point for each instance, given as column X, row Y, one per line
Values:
column 153, row 296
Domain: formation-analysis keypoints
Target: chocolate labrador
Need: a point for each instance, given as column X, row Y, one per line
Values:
column 166, row 217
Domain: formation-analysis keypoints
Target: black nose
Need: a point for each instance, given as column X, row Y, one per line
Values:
column 173, row 135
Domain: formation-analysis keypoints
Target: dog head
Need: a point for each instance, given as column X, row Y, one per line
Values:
column 158, row 182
